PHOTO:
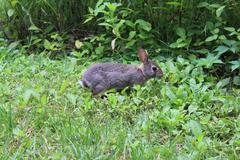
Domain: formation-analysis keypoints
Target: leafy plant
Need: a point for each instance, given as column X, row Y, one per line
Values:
column 183, row 41
column 59, row 15
column 118, row 31
column 218, row 43
column 187, row 114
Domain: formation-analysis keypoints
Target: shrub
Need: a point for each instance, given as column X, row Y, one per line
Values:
column 206, row 32
column 51, row 15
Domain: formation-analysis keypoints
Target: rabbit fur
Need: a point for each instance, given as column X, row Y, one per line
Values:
column 104, row 76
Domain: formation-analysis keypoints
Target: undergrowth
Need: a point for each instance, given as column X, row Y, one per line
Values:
column 45, row 114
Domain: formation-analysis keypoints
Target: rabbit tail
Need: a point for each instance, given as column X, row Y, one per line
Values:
column 82, row 83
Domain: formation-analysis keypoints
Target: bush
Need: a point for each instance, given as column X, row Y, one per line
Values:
column 200, row 30
column 51, row 15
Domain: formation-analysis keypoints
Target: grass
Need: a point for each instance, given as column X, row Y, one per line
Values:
column 58, row 15
column 44, row 114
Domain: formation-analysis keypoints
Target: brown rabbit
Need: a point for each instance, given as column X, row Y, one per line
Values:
column 104, row 76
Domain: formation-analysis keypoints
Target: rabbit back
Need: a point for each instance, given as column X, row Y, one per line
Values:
column 112, row 75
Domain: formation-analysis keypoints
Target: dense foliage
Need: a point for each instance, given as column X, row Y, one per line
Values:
column 208, row 31
column 191, row 113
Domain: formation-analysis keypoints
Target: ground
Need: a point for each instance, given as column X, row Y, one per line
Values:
column 44, row 113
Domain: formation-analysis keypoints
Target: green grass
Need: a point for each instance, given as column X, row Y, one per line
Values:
column 44, row 114
column 2, row 11
column 48, row 15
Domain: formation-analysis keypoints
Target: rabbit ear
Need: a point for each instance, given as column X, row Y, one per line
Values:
column 143, row 56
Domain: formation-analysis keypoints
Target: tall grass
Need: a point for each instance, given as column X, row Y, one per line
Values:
column 64, row 15
column 58, row 15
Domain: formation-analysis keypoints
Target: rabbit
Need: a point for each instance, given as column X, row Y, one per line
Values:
column 104, row 76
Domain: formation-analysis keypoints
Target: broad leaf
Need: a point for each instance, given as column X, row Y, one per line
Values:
column 219, row 11
column 181, row 32
column 47, row 44
column 10, row 12
column 235, row 65
column 131, row 35
column 230, row 29
column 211, row 38
column 78, row 44
column 144, row 25
column 221, row 49
column 223, row 83
column 34, row 28
column 195, row 128
column 236, row 80
column 209, row 61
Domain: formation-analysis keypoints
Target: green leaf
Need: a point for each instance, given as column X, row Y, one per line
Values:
column 18, row 132
column 47, row 44
column 171, row 67
column 130, row 23
column 215, row 5
column 221, row 49
column 117, row 28
column 90, row 10
column 99, row 50
column 72, row 98
column 209, row 60
column 235, row 65
column 144, row 25
column 131, row 35
column 170, row 94
column 216, row 31
column 195, row 128
column 26, row 96
column 202, row 51
column 29, row 93
column 223, row 83
column 202, row 4
column 120, row 24
column 113, row 6
column 37, row 41
column 236, row 80
column 10, row 12
column 211, row 38
column 210, row 25
column 174, row 3
column 13, row 45
column 219, row 11
column 130, row 43
column 100, row 2
column 105, row 24
column 181, row 32
column 182, row 44
column 64, row 86
column 34, row 28
column 78, row 44
column 230, row 29
column 238, row 37
column 88, row 19
column 222, row 37
column 192, row 108
column 43, row 99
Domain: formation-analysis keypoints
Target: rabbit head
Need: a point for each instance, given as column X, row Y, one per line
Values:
column 149, row 68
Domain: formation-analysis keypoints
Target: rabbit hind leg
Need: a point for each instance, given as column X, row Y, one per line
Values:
column 97, row 90
column 126, row 90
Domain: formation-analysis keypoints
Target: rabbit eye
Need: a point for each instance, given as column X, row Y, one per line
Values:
column 154, row 68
